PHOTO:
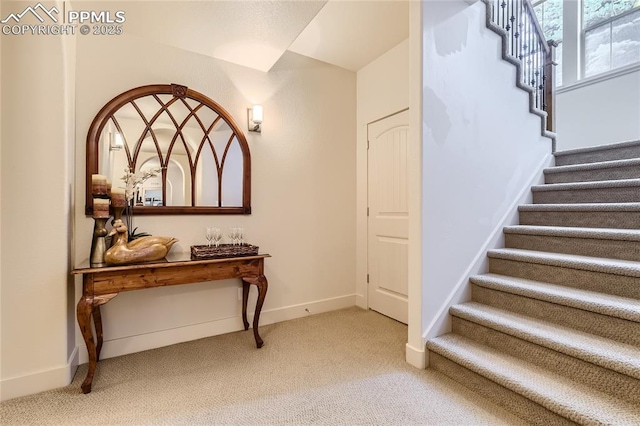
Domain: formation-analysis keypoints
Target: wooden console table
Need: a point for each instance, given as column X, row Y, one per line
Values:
column 100, row 285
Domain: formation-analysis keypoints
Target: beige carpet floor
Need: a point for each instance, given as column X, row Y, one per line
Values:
column 339, row 368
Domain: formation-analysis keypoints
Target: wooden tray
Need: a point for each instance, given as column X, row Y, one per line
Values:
column 222, row 251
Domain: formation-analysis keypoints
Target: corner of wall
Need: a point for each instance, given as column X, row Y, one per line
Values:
column 38, row 71
column 361, row 301
column 382, row 90
column 40, row 381
column 1, row 168
column 416, row 344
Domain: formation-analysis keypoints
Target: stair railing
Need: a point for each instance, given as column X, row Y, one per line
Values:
column 526, row 42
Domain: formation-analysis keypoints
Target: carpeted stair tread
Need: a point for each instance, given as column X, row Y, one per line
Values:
column 598, row 148
column 592, row 301
column 595, row 154
column 628, row 168
column 581, row 186
column 576, row 232
column 575, row 401
column 571, row 261
column 616, row 243
column 592, row 166
column 584, row 215
column 597, row 350
column 582, row 207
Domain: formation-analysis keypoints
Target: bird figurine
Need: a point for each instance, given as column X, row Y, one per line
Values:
column 143, row 249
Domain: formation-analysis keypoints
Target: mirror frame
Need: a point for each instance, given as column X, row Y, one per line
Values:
column 178, row 91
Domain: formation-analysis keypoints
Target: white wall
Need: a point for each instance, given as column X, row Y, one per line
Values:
column 481, row 151
column 303, row 187
column 1, row 102
column 37, row 168
column 606, row 111
column 383, row 89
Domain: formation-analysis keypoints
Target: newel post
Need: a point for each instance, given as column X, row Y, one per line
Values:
column 550, row 85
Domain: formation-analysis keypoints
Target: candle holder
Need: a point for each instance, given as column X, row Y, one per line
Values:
column 98, row 244
column 118, row 203
column 117, row 213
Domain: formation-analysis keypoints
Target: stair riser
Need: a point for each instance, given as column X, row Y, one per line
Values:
column 618, row 285
column 619, row 220
column 626, row 172
column 613, row 249
column 590, row 322
column 629, row 194
column 512, row 401
column 605, row 380
column 622, row 153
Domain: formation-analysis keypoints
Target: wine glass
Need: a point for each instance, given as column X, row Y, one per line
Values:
column 232, row 235
column 209, row 235
column 216, row 235
column 241, row 236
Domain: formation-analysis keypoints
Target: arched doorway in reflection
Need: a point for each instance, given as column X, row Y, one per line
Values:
column 151, row 193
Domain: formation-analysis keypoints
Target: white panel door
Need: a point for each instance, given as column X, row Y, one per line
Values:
column 388, row 216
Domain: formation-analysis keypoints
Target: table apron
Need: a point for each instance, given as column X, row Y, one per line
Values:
column 118, row 281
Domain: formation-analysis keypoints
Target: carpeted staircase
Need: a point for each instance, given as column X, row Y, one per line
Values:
column 553, row 330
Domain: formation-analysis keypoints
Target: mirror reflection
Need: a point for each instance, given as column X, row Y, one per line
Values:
column 202, row 155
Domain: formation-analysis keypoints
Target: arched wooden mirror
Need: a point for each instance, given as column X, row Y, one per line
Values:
column 202, row 153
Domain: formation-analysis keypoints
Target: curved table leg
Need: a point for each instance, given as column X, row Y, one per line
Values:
column 262, row 285
column 97, row 319
column 90, row 306
column 84, row 310
column 260, row 282
column 245, row 299
column 97, row 322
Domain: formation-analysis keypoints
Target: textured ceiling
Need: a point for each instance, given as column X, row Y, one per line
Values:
column 250, row 33
column 256, row 33
column 351, row 34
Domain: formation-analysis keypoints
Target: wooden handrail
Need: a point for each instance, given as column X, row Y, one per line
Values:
column 539, row 31
column 550, row 85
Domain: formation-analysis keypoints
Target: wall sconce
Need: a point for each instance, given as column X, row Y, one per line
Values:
column 255, row 117
column 117, row 142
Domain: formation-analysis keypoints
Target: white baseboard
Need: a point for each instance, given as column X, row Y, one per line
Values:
column 462, row 290
column 61, row 376
column 416, row 357
column 361, row 301
column 41, row 381
column 157, row 339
